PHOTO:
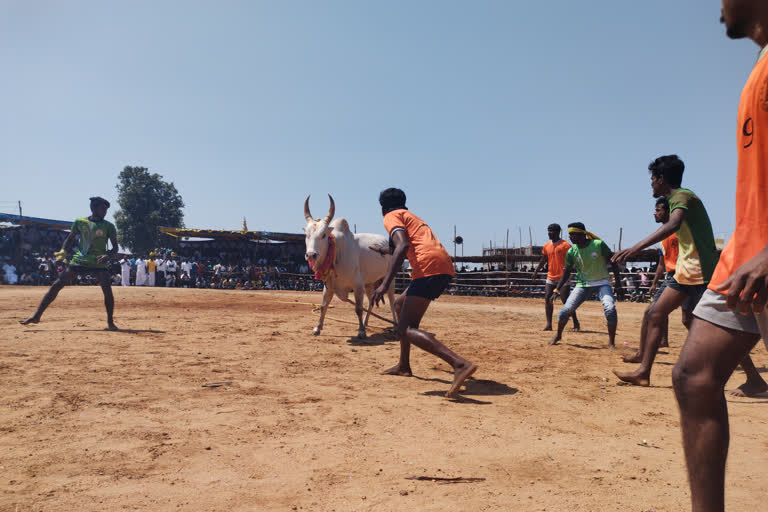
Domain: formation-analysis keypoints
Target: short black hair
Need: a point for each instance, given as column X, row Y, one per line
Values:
column 555, row 227
column 663, row 201
column 392, row 199
column 96, row 201
column 670, row 168
column 578, row 225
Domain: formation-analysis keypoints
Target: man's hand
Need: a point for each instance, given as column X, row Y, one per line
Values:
column 554, row 295
column 378, row 295
column 748, row 286
column 622, row 256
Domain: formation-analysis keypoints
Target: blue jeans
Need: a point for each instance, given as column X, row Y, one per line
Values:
column 581, row 293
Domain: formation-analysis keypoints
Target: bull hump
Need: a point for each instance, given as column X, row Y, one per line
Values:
column 341, row 224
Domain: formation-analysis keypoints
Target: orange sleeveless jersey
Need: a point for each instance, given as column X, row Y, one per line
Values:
column 751, row 234
column 670, row 250
column 555, row 254
column 425, row 254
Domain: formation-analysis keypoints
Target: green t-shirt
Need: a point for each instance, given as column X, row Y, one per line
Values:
column 93, row 241
column 590, row 263
column 697, row 256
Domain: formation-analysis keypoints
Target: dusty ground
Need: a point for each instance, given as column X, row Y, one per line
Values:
column 97, row 420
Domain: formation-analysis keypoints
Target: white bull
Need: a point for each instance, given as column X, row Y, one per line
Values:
column 359, row 264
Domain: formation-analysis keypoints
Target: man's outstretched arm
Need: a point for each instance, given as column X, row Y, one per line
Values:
column 402, row 243
column 676, row 219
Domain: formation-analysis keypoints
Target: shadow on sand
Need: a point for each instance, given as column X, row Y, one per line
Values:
column 124, row 331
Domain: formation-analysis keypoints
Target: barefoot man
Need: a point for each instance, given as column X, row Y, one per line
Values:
column 665, row 272
column 553, row 255
column 92, row 257
column 432, row 271
column 590, row 257
column 731, row 315
column 696, row 259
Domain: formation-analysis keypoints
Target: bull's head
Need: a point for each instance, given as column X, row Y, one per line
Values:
column 317, row 231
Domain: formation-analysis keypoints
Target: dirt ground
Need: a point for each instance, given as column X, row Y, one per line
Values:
column 94, row 420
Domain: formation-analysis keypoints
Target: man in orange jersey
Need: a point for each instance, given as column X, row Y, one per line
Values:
column 731, row 315
column 553, row 255
column 432, row 271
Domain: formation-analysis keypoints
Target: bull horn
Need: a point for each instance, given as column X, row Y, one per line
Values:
column 331, row 210
column 307, row 215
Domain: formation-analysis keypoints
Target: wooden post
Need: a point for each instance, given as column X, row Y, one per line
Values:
column 506, row 262
column 454, row 247
column 621, row 230
column 20, row 251
column 530, row 238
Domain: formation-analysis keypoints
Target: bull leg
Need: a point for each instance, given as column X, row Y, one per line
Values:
column 391, row 295
column 327, row 297
column 359, row 297
column 368, row 293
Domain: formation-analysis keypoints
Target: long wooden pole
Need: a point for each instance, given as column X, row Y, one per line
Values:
column 506, row 261
column 621, row 230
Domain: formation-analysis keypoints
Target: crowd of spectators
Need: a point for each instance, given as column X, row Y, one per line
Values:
column 232, row 272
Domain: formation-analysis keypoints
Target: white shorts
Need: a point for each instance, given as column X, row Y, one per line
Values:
column 712, row 307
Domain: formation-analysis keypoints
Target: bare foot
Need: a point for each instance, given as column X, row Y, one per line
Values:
column 664, row 344
column 611, row 347
column 633, row 379
column 637, row 357
column 112, row 327
column 749, row 389
column 555, row 339
column 576, row 328
column 459, row 376
column 404, row 371
column 547, row 328
column 30, row 320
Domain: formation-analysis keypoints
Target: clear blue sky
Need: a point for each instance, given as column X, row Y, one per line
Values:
column 491, row 115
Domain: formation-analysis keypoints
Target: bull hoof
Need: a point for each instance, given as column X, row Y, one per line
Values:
column 361, row 335
column 315, row 332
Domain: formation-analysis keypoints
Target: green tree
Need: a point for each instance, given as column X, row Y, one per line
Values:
column 146, row 202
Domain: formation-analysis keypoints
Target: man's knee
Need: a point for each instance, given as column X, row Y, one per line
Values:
column 690, row 384
column 564, row 314
column 655, row 316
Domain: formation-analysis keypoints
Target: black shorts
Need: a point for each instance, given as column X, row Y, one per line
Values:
column 430, row 287
column 81, row 269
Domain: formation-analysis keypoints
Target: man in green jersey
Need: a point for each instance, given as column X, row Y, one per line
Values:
column 696, row 260
column 92, row 257
column 590, row 257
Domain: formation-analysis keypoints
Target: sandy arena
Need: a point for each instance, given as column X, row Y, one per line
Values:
column 95, row 420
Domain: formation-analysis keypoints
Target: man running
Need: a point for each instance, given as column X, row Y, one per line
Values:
column 92, row 257
column 590, row 257
column 731, row 315
column 553, row 255
column 432, row 271
column 696, row 260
